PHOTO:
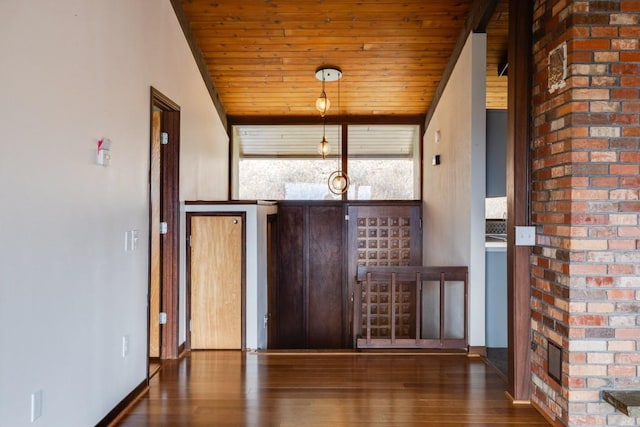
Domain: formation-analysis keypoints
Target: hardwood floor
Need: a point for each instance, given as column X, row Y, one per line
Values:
column 324, row 389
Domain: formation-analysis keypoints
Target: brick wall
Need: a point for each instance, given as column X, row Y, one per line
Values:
column 586, row 208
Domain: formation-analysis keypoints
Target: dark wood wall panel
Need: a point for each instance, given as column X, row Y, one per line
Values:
column 325, row 305
column 385, row 236
column 290, row 318
column 318, row 253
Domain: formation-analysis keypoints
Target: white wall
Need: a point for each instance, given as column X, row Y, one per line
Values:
column 255, row 267
column 454, row 191
column 262, row 248
column 73, row 72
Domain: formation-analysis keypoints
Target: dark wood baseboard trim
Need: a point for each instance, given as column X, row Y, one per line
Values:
column 120, row 409
column 478, row 350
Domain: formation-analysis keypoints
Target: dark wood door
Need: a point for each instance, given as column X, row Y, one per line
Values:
column 310, row 297
column 325, row 305
column 289, row 295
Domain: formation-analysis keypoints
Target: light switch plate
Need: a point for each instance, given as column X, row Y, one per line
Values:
column 525, row 235
column 134, row 234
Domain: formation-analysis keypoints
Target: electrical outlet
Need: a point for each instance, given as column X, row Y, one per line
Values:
column 36, row 405
column 125, row 345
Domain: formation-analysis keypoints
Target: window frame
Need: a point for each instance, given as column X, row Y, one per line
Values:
column 344, row 122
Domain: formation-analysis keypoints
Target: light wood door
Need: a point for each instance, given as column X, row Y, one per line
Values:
column 216, row 282
column 154, row 236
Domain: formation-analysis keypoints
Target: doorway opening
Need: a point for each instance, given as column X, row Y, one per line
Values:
column 163, row 229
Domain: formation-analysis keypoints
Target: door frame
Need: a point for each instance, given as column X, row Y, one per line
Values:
column 169, row 213
column 243, row 278
column 518, row 196
column 272, row 278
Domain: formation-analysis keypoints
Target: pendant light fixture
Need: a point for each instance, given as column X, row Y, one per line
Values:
column 324, row 148
column 323, row 103
column 326, row 74
column 338, row 182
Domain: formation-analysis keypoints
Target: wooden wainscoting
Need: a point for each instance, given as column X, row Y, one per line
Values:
column 320, row 244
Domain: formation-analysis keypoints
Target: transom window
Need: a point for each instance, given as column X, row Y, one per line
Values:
column 282, row 162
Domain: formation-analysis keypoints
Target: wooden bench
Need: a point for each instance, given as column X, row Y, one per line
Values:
column 409, row 279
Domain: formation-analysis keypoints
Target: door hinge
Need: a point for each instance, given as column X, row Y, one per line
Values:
column 346, row 217
column 420, row 223
column 163, row 318
column 164, row 229
column 189, row 240
column 164, row 138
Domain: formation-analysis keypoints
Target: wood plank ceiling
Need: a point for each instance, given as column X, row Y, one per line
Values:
column 261, row 55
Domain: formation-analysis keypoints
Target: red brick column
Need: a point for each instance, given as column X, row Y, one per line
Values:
column 586, row 207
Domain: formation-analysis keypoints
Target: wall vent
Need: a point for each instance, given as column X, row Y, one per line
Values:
column 554, row 362
column 495, row 226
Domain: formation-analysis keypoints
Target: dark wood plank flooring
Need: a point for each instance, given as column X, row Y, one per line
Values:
column 324, row 389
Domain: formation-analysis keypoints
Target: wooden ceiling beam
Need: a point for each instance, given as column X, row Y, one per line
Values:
column 200, row 61
column 415, row 119
column 247, row 26
column 477, row 21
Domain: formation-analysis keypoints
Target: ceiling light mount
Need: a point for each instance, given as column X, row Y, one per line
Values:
column 328, row 73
